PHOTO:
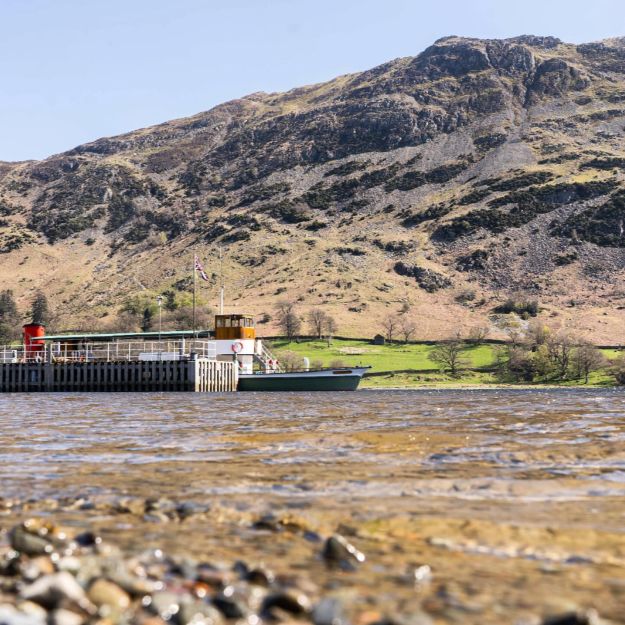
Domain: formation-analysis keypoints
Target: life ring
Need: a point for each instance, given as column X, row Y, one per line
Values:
column 237, row 347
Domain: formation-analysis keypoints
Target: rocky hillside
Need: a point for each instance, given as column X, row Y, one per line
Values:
column 437, row 185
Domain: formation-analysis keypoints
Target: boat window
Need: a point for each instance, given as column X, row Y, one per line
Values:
column 227, row 322
column 220, row 323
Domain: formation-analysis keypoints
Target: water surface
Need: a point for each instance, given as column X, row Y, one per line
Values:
column 523, row 491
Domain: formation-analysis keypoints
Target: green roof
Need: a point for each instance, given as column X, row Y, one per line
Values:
column 170, row 334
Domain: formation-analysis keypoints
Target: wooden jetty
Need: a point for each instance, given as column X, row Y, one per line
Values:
column 95, row 363
column 201, row 376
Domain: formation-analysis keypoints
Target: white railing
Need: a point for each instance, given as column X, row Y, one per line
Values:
column 118, row 351
column 268, row 361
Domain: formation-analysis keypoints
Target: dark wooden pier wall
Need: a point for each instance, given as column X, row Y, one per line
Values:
column 169, row 375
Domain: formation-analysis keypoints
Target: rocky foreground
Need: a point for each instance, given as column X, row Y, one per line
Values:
column 51, row 575
column 480, row 508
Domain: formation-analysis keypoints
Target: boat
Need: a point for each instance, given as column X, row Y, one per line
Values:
column 260, row 370
column 343, row 379
column 230, row 358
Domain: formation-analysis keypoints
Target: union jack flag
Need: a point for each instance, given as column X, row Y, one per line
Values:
column 200, row 269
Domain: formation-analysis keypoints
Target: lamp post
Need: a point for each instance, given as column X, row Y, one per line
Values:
column 159, row 303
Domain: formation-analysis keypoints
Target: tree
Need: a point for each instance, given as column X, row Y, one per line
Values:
column 170, row 300
column 448, row 355
column 390, row 325
column 618, row 370
column 290, row 361
column 8, row 307
column 288, row 320
column 407, row 328
column 39, row 311
column 537, row 333
column 587, row 358
column 330, row 328
column 316, row 321
column 478, row 334
column 147, row 319
column 9, row 316
column 560, row 348
column 520, row 364
column 182, row 318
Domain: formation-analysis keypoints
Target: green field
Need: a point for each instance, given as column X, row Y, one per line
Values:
column 408, row 365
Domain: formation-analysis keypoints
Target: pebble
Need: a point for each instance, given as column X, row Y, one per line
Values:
column 259, row 577
column 102, row 592
column 293, row 604
column 588, row 617
column 166, row 604
column 65, row 617
column 51, row 590
column 36, row 567
column 328, row 612
column 230, row 605
column 422, row 574
column 9, row 615
column 337, row 550
column 29, row 543
column 198, row 613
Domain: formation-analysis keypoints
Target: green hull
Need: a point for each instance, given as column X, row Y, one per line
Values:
column 299, row 382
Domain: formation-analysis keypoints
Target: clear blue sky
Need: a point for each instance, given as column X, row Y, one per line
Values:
column 76, row 70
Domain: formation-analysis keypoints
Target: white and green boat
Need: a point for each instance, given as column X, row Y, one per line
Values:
column 343, row 379
column 260, row 370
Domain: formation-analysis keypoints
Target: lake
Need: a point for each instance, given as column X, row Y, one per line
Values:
column 515, row 499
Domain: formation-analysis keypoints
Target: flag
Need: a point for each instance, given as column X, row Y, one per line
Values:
column 200, row 269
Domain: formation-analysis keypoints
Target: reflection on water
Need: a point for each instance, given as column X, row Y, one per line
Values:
column 499, row 486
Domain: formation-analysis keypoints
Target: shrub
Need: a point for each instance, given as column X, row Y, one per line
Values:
column 529, row 308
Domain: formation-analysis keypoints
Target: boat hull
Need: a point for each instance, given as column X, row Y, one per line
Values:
column 303, row 381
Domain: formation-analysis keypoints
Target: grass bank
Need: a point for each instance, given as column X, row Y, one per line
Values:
column 401, row 365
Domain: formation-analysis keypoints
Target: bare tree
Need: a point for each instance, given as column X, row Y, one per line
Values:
column 407, row 328
column 330, row 327
column 290, row 361
column 587, row 358
column 517, row 364
column 316, row 320
column 288, row 320
column 618, row 370
column 390, row 325
column 537, row 333
column 448, row 355
column 560, row 348
column 478, row 334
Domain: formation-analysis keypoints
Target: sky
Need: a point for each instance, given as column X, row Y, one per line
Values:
column 75, row 70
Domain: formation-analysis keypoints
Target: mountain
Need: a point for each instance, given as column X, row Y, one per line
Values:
column 442, row 185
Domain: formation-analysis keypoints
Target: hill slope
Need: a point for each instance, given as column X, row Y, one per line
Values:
column 477, row 169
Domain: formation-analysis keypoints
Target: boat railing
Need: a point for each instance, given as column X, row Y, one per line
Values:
column 268, row 360
column 116, row 351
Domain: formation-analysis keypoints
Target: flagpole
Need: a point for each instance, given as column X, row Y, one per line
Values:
column 221, row 277
column 194, row 289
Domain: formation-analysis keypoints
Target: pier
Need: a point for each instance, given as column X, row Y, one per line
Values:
column 120, row 366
